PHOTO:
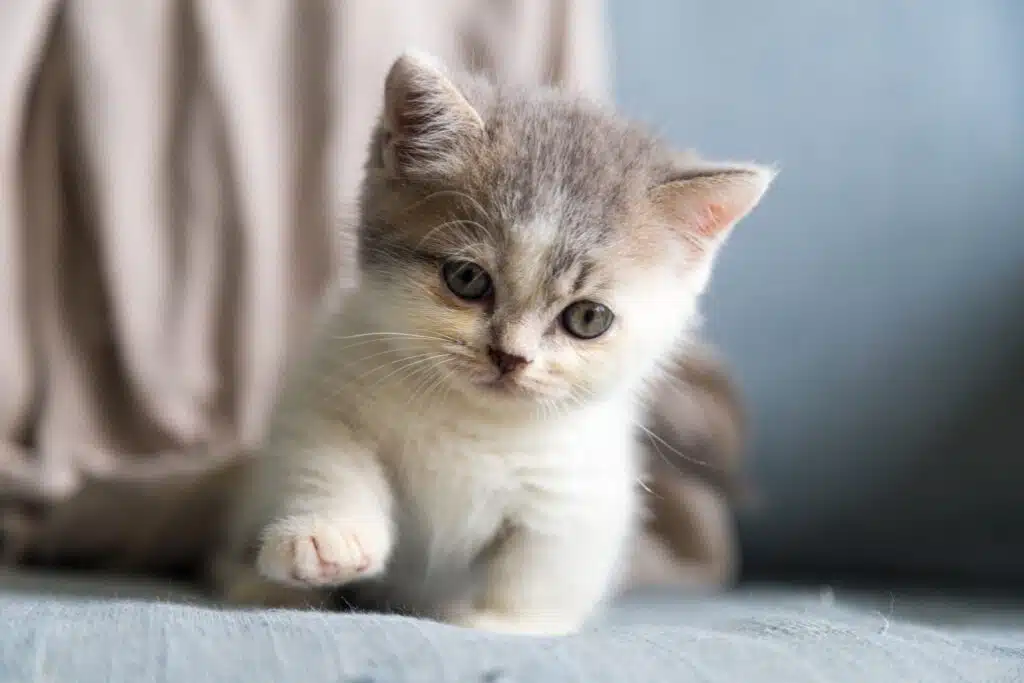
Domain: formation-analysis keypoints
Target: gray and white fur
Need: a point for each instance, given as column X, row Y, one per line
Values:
column 453, row 445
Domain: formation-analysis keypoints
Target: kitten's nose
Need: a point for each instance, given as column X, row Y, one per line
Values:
column 504, row 361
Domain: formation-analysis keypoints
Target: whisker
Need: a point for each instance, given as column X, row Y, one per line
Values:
column 441, row 193
column 432, row 383
column 447, row 383
column 384, row 353
column 344, row 386
column 454, row 222
column 411, row 345
column 444, row 379
column 676, row 451
column 332, row 373
column 404, row 368
column 656, row 440
column 389, row 334
column 426, row 374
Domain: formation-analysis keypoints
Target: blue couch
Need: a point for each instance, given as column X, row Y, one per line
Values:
column 61, row 629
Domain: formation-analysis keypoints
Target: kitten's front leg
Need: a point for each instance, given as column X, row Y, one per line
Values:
column 332, row 519
column 539, row 583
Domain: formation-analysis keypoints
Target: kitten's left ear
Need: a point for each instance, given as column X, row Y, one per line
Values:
column 704, row 202
column 430, row 125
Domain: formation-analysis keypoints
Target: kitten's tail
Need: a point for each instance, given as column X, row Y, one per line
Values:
column 694, row 477
column 697, row 419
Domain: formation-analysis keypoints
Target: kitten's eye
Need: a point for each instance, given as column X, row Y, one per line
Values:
column 466, row 279
column 587, row 319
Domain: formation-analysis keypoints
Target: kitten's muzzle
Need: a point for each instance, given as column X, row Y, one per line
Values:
column 506, row 362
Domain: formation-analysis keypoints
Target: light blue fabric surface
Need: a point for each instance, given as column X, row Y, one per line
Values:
column 751, row 637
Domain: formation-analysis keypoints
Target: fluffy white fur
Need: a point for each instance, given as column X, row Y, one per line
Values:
column 396, row 462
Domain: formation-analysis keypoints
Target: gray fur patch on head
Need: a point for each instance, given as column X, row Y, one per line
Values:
column 555, row 197
column 550, row 170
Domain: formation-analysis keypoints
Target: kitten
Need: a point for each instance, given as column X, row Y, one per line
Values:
column 460, row 443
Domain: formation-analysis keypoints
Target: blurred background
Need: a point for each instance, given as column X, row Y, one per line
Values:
column 173, row 175
column 872, row 308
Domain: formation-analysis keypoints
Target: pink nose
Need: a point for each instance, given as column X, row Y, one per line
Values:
column 504, row 361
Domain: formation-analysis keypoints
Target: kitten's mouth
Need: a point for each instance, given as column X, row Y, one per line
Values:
column 485, row 379
column 506, row 384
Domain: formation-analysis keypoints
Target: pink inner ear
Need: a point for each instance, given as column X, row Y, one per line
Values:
column 716, row 217
column 707, row 206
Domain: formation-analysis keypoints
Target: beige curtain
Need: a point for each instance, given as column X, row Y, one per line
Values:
column 176, row 192
column 176, row 186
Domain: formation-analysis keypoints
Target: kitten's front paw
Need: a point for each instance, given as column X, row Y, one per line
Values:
column 315, row 550
column 541, row 624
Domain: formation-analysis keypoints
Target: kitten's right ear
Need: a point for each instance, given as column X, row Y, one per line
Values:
column 428, row 123
column 706, row 200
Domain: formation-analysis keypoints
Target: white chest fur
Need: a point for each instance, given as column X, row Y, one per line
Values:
column 427, row 503
column 460, row 482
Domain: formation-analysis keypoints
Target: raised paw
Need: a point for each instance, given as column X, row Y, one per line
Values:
column 314, row 550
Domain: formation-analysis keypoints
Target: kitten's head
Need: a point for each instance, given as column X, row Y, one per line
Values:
column 530, row 247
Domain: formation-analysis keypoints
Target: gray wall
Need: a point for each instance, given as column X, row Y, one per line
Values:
column 873, row 307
